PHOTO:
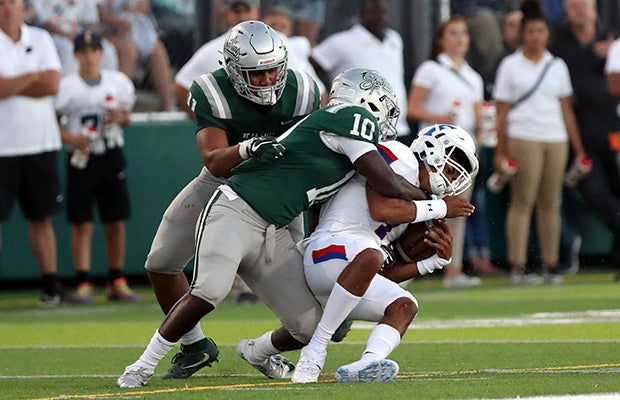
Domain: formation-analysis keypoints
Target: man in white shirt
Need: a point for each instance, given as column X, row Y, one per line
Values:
column 29, row 137
column 369, row 44
column 208, row 58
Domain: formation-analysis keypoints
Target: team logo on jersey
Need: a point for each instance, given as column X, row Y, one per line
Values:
column 371, row 82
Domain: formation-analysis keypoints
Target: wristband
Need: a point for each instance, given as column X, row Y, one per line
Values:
column 427, row 210
column 428, row 265
column 243, row 148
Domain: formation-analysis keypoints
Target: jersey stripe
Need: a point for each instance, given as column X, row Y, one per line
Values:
column 202, row 220
column 324, row 193
column 214, row 96
column 305, row 94
column 387, row 154
column 332, row 252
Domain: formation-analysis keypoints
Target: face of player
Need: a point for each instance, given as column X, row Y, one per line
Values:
column 11, row 12
column 535, row 36
column 89, row 59
column 455, row 39
column 267, row 77
column 280, row 23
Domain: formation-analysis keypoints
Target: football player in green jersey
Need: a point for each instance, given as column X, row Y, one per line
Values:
column 243, row 228
column 239, row 109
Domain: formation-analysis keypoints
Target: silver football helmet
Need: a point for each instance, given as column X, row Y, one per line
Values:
column 445, row 144
column 368, row 89
column 253, row 46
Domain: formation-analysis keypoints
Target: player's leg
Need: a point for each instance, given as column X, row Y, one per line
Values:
column 394, row 308
column 217, row 259
column 281, row 285
column 346, row 293
column 171, row 250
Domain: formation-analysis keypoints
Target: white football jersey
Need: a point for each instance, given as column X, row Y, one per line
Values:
column 348, row 211
column 83, row 107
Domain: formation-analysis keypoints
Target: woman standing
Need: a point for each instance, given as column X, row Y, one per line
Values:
column 535, row 124
column 446, row 90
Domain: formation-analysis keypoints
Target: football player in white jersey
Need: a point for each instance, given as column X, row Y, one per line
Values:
column 344, row 253
column 93, row 105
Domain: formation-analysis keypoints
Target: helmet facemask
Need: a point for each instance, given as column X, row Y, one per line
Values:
column 252, row 46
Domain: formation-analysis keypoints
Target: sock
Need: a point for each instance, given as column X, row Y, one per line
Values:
column 156, row 350
column 114, row 274
column 382, row 341
column 338, row 307
column 82, row 277
column 193, row 335
column 262, row 349
column 49, row 283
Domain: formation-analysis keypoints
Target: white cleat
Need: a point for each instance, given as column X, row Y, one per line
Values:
column 134, row 377
column 367, row 371
column 273, row 367
column 309, row 366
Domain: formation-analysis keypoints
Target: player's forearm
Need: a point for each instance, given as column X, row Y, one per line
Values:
column 613, row 83
column 220, row 162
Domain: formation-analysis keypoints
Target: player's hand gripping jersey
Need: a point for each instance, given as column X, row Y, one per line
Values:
column 310, row 171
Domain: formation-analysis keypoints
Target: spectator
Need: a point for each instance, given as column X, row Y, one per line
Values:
column 29, row 137
column 208, row 58
column 308, row 15
column 64, row 19
column 92, row 105
column 279, row 18
column 131, row 19
column 584, row 46
column 370, row 44
column 535, row 122
column 446, row 90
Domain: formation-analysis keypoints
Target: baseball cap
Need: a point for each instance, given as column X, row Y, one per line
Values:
column 249, row 3
column 86, row 39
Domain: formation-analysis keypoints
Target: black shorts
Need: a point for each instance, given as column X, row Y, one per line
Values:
column 34, row 179
column 104, row 181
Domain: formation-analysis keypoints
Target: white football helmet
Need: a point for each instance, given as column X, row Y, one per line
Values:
column 445, row 144
column 368, row 89
column 255, row 46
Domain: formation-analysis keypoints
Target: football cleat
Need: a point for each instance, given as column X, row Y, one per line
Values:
column 309, row 366
column 365, row 371
column 134, row 377
column 273, row 367
column 191, row 358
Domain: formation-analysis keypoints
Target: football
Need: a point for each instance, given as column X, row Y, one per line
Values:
column 410, row 246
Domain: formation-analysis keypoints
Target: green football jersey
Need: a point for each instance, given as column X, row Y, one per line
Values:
column 309, row 172
column 216, row 103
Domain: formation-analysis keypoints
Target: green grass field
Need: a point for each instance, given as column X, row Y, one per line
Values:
column 495, row 341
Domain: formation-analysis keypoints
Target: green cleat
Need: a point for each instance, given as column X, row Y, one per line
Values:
column 191, row 358
column 342, row 331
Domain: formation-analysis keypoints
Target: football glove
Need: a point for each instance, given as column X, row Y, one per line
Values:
column 390, row 256
column 265, row 148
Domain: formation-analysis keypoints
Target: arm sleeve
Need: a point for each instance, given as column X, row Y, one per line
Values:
column 352, row 148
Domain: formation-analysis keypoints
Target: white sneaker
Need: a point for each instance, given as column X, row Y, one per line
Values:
column 273, row 367
column 134, row 377
column 461, row 280
column 364, row 371
column 521, row 278
column 309, row 366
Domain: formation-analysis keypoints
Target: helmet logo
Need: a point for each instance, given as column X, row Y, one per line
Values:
column 267, row 61
column 231, row 48
column 373, row 83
